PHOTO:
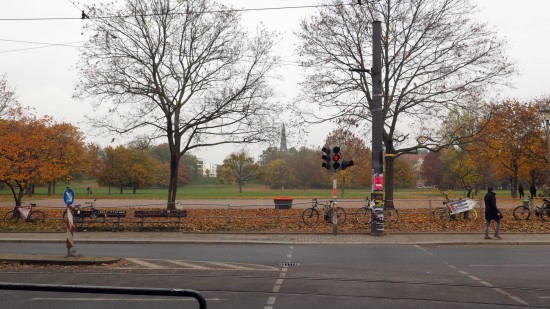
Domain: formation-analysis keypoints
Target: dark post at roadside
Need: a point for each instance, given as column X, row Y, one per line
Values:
column 377, row 226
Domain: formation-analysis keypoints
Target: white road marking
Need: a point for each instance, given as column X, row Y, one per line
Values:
column 487, row 284
column 187, row 264
column 512, row 297
column 515, row 298
column 146, row 264
column 424, row 249
column 201, row 265
column 271, row 300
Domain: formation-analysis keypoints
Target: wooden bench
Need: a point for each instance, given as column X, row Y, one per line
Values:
column 99, row 216
column 166, row 214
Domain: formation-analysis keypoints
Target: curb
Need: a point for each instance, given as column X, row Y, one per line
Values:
column 45, row 259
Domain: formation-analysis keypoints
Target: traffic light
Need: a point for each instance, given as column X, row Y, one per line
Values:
column 336, row 158
column 346, row 164
column 326, row 158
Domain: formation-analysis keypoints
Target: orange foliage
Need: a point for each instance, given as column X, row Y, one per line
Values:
column 36, row 150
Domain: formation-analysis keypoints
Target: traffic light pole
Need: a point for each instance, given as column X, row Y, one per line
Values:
column 334, row 204
column 377, row 226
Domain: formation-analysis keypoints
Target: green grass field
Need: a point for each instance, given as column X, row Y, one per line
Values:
column 210, row 191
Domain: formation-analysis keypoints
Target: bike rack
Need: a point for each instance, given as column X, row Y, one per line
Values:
column 105, row 290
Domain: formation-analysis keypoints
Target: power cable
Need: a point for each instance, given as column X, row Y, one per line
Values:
column 203, row 12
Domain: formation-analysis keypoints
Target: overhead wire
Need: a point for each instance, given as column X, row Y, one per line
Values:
column 176, row 13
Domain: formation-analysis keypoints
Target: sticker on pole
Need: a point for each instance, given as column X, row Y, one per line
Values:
column 462, row 206
column 378, row 183
column 68, row 196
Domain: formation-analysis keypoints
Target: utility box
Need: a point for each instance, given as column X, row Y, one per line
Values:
column 283, row 202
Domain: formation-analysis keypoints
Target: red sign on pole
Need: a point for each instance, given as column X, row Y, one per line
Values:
column 378, row 183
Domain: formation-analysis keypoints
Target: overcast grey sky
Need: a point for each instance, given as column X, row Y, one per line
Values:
column 43, row 73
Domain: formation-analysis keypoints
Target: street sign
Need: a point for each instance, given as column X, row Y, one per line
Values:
column 68, row 196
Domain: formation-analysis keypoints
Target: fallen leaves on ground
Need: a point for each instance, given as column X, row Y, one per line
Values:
column 275, row 221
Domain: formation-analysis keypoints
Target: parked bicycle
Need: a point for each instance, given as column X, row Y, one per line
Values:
column 26, row 213
column 523, row 212
column 310, row 216
column 463, row 209
column 86, row 211
column 363, row 215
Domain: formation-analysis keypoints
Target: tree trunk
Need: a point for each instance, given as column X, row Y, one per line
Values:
column 514, row 184
column 173, row 186
column 240, row 187
column 16, row 197
column 109, row 188
column 53, row 187
column 121, row 188
column 388, row 181
column 135, row 188
column 343, row 186
column 50, row 188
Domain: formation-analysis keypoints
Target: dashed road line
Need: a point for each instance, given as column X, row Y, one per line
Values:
column 485, row 283
column 279, row 282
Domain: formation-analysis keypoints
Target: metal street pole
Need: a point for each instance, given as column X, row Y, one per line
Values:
column 377, row 226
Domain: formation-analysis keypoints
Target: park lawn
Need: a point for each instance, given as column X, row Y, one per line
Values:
column 229, row 192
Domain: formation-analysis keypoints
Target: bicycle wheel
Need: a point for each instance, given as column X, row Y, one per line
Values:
column 363, row 215
column 310, row 217
column 441, row 214
column 11, row 217
column 470, row 215
column 391, row 216
column 545, row 214
column 341, row 215
column 521, row 213
column 37, row 216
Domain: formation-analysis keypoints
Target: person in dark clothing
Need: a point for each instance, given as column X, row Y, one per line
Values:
column 491, row 213
column 520, row 190
column 533, row 191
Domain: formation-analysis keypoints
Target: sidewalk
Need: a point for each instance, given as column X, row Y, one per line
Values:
column 275, row 238
column 238, row 238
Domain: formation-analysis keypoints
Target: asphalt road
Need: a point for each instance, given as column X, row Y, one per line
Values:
column 296, row 276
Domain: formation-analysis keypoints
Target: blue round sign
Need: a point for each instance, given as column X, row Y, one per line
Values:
column 68, row 196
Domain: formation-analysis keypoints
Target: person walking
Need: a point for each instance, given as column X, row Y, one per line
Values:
column 491, row 213
column 533, row 191
column 520, row 190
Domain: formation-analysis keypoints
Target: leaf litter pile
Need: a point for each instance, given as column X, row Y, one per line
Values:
column 270, row 220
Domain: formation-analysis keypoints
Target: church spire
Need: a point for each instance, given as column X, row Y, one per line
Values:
column 283, row 139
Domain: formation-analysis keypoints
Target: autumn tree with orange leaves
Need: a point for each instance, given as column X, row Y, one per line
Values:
column 352, row 148
column 514, row 139
column 36, row 150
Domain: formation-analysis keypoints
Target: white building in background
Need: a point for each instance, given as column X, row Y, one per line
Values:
column 206, row 169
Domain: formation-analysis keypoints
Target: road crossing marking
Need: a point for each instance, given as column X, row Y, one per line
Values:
column 145, row 264
column 186, row 264
column 200, row 265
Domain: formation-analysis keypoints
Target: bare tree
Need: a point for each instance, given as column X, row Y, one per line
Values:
column 7, row 96
column 434, row 57
column 185, row 70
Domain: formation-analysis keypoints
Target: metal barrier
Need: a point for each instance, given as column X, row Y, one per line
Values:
column 105, row 290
